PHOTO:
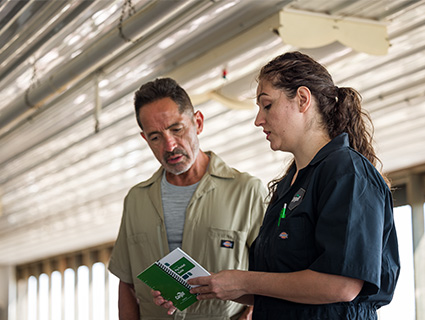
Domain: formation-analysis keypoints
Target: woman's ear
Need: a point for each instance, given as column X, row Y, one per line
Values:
column 304, row 98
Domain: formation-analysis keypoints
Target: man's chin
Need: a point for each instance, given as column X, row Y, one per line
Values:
column 177, row 170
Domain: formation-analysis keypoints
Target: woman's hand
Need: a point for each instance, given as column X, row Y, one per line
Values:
column 225, row 285
column 160, row 301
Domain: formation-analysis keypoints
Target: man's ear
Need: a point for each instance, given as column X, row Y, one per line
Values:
column 143, row 136
column 199, row 121
column 305, row 98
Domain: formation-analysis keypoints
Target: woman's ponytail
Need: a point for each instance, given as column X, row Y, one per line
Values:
column 340, row 108
column 347, row 116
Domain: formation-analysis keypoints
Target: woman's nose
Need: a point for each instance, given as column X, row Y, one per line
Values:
column 259, row 120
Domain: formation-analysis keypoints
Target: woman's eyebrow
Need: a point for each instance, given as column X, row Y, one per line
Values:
column 260, row 95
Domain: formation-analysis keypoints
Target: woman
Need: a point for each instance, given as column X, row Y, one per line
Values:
column 327, row 248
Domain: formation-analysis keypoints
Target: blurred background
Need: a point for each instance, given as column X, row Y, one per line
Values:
column 70, row 147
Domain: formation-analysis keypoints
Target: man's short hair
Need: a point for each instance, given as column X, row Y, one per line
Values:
column 158, row 89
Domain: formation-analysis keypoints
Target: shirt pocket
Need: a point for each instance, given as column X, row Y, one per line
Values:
column 225, row 249
column 139, row 245
column 292, row 245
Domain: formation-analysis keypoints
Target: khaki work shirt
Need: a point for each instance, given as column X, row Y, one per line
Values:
column 226, row 206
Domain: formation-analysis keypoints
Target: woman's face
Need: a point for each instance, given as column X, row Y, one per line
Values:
column 278, row 116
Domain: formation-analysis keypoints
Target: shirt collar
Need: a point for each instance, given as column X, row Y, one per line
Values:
column 216, row 167
column 336, row 143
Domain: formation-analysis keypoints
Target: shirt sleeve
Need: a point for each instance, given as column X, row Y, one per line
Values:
column 119, row 263
column 350, row 230
column 258, row 207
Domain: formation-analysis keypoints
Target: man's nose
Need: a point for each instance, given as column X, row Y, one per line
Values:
column 170, row 143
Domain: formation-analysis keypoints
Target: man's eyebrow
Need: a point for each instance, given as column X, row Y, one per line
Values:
column 158, row 132
column 173, row 125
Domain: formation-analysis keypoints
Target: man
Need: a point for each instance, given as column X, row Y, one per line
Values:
column 194, row 201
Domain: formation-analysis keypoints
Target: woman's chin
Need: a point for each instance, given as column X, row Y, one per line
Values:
column 273, row 147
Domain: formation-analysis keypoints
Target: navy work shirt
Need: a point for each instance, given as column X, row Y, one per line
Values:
column 339, row 220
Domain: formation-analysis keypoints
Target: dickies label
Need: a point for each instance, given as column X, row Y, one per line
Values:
column 227, row 244
column 283, row 235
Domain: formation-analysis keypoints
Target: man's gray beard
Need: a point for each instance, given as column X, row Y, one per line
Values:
column 195, row 155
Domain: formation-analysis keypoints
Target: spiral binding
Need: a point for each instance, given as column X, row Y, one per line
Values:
column 174, row 275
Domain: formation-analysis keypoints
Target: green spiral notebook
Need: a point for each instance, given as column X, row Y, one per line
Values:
column 169, row 275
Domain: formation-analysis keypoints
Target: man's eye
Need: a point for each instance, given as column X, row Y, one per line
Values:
column 267, row 107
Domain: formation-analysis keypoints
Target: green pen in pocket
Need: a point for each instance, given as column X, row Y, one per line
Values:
column 282, row 214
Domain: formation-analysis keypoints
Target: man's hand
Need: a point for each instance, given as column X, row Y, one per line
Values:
column 247, row 314
column 160, row 301
column 128, row 306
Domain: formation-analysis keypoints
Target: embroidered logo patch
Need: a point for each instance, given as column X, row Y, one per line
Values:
column 296, row 200
column 283, row 235
column 227, row 244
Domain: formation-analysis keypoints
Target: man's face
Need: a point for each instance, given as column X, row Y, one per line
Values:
column 172, row 136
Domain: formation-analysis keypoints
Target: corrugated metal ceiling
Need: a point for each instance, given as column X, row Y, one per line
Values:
column 62, row 182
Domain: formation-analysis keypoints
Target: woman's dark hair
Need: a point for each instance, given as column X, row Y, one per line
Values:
column 340, row 108
column 159, row 89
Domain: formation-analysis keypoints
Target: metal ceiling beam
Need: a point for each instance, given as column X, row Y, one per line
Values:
column 318, row 30
column 9, row 13
column 228, row 50
column 30, row 41
column 104, row 50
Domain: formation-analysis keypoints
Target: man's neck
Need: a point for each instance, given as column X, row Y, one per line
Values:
column 193, row 175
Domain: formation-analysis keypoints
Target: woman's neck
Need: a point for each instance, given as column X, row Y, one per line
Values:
column 308, row 150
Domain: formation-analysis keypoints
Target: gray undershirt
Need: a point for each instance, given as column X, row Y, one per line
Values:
column 175, row 200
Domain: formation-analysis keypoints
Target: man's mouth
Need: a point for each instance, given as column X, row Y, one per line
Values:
column 267, row 133
column 174, row 158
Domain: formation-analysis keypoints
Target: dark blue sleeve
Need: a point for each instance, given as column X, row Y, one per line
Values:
column 350, row 229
